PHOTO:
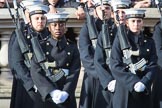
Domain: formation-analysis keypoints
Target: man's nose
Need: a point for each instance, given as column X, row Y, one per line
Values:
column 136, row 23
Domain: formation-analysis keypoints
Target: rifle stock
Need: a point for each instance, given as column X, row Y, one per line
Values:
column 20, row 37
column 40, row 56
column 92, row 30
column 21, row 40
column 124, row 43
column 106, row 40
column 159, row 9
column 105, row 36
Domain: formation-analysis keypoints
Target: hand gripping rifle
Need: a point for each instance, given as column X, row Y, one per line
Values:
column 126, row 48
column 92, row 30
column 20, row 37
column 105, row 36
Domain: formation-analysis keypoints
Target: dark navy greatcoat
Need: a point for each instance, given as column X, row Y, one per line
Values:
column 101, row 60
column 125, row 96
column 66, row 56
column 23, row 95
column 19, row 96
column 93, row 94
column 157, row 87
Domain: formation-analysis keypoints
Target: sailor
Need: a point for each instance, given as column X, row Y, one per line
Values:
column 62, row 62
column 24, row 92
column 157, row 94
column 93, row 95
column 133, row 66
column 104, row 45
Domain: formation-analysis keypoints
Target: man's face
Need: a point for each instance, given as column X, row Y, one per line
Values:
column 2, row 3
column 38, row 22
column 106, row 9
column 135, row 24
column 53, row 2
column 57, row 29
column 122, row 16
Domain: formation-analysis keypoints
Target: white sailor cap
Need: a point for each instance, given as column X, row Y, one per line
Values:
column 99, row 2
column 134, row 13
column 120, row 4
column 37, row 9
column 57, row 17
column 25, row 3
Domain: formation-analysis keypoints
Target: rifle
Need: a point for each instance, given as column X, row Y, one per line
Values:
column 42, row 60
column 40, row 56
column 92, row 30
column 106, row 37
column 126, row 48
column 20, row 37
column 159, row 9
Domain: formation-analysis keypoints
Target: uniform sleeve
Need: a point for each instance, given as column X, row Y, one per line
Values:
column 21, row 70
column 72, row 79
column 43, row 84
column 119, row 71
column 151, row 68
column 10, row 45
column 86, row 51
column 101, row 67
column 157, row 36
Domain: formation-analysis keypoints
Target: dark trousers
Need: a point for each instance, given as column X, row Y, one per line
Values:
column 157, row 90
column 20, row 98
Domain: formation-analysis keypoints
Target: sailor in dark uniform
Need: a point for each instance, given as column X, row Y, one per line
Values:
column 118, row 9
column 55, row 6
column 24, row 93
column 57, row 82
column 104, row 45
column 93, row 94
column 157, row 86
column 134, row 66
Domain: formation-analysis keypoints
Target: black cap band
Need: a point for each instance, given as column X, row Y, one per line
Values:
column 135, row 16
column 57, row 20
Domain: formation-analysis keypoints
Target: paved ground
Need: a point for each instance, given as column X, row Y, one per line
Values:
column 4, row 103
column 6, row 84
